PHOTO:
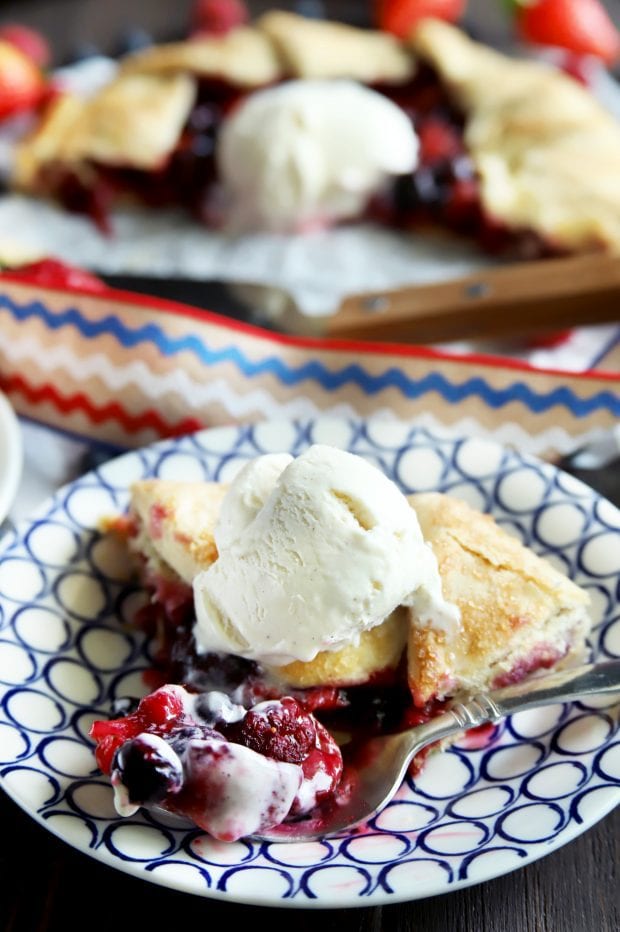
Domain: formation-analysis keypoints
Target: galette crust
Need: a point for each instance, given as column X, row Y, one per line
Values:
column 134, row 121
column 514, row 605
column 546, row 151
column 45, row 144
column 175, row 525
column 379, row 651
column 244, row 57
column 312, row 48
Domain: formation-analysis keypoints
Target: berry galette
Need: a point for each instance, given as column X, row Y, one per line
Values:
column 434, row 129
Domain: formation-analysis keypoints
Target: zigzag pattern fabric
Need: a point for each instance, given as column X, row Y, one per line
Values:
column 128, row 370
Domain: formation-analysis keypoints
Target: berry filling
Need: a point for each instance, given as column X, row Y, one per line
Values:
column 443, row 190
column 232, row 771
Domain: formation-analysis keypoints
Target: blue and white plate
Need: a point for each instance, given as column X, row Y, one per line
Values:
column 67, row 647
column 11, row 456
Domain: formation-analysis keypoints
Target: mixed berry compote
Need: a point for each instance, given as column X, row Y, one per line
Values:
column 232, row 771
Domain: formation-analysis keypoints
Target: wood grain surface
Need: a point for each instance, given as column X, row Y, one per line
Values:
column 509, row 300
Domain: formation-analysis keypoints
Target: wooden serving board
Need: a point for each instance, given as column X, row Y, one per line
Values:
column 501, row 301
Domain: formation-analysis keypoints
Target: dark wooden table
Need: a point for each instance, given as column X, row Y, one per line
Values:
column 46, row 886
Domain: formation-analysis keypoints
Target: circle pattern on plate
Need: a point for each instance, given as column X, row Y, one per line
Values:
column 473, row 813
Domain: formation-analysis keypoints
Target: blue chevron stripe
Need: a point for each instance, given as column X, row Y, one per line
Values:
column 355, row 374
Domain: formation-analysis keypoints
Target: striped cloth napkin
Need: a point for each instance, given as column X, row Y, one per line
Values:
column 127, row 370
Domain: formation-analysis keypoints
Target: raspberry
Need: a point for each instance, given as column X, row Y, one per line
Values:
column 107, row 746
column 162, row 708
column 110, row 735
column 279, row 729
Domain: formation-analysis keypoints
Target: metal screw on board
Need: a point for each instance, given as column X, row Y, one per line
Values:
column 376, row 304
column 477, row 290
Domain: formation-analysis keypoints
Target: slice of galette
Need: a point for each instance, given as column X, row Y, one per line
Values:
column 519, row 614
column 242, row 746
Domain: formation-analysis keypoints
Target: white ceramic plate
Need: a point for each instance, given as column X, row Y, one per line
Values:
column 11, row 456
column 67, row 648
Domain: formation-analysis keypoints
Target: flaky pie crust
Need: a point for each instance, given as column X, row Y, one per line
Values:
column 547, row 153
column 316, row 48
column 244, row 57
column 512, row 602
column 134, row 121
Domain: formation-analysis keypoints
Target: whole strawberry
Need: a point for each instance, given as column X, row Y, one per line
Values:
column 581, row 26
column 21, row 83
column 29, row 41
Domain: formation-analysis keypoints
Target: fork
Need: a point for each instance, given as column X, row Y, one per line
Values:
column 382, row 765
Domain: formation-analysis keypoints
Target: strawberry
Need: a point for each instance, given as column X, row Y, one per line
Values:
column 217, row 17
column 582, row 26
column 400, row 17
column 21, row 83
column 30, row 42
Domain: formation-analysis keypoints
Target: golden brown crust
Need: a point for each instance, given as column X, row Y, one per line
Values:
column 134, row 121
column 44, row 144
column 514, row 605
column 176, row 521
column 312, row 48
column 379, row 650
column 244, row 57
column 546, row 151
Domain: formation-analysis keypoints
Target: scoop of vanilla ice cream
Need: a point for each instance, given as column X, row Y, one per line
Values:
column 334, row 548
column 251, row 487
column 311, row 152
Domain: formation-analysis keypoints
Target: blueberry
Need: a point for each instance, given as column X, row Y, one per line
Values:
column 181, row 737
column 149, row 769
column 462, row 168
column 202, row 146
column 217, row 709
column 312, row 9
column 204, row 117
column 417, row 190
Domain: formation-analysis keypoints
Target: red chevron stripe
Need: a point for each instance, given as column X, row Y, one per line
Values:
column 113, row 411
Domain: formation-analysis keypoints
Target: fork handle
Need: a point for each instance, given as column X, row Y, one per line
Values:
column 590, row 680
